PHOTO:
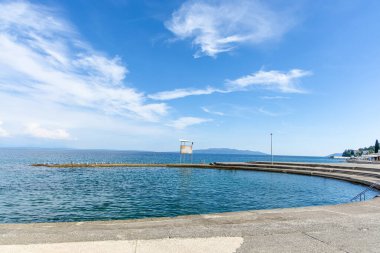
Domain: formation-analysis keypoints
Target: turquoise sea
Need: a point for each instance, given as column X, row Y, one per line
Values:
column 38, row 194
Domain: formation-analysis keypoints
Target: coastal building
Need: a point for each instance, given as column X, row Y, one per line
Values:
column 372, row 157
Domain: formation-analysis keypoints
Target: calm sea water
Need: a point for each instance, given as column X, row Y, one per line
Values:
column 37, row 194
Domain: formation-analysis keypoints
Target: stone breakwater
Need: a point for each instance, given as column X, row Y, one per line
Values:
column 367, row 174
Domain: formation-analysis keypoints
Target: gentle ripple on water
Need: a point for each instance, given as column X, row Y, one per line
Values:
column 37, row 194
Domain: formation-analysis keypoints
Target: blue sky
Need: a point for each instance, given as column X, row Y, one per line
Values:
column 139, row 75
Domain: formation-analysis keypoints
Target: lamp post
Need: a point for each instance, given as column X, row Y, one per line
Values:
column 271, row 146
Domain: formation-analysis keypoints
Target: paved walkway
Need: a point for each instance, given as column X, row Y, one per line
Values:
column 353, row 227
column 187, row 245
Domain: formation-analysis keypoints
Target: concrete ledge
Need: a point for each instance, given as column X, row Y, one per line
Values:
column 307, row 229
column 183, row 245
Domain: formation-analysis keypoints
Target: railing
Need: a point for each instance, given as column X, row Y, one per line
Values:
column 361, row 196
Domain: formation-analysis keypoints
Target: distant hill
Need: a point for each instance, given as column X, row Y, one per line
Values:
column 335, row 154
column 227, row 151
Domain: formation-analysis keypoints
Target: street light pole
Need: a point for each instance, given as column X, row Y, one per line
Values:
column 271, row 146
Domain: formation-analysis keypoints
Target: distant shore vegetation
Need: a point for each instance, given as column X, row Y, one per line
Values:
column 362, row 151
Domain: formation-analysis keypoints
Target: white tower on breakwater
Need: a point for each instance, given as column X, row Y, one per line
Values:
column 185, row 149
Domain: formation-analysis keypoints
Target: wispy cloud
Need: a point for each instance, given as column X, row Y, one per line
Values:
column 275, row 80
column 268, row 113
column 205, row 109
column 87, row 128
column 3, row 132
column 42, row 56
column 246, row 112
column 273, row 97
column 184, row 122
column 220, row 26
column 284, row 82
column 36, row 130
column 180, row 93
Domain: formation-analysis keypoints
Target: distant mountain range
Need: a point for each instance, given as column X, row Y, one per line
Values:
column 227, row 151
column 217, row 151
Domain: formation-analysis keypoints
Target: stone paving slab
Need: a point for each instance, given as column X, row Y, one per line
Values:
column 357, row 241
column 286, row 243
column 190, row 245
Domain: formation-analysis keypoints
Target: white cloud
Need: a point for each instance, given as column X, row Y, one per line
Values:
column 212, row 112
column 180, row 93
column 36, row 130
column 110, row 71
column 42, row 56
column 268, row 113
column 88, row 128
column 285, row 82
column 273, row 97
column 3, row 132
column 184, row 122
column 219, row 26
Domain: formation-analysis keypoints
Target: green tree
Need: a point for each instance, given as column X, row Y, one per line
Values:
column 377, row 146
column 348, row 153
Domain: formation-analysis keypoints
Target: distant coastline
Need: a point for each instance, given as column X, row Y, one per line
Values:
column 214, row 151
column 227, row 151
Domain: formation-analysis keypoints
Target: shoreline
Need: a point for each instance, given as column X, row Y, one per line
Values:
column 303, row 229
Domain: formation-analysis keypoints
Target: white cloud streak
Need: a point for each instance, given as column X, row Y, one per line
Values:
column 268, row 113
column 88, row 128
column 284, row 82
column 181, row 93
column 42, row 56
column 205, row 109
column 184, row 122
column 273, row 97
column 3, row 132
column 220, row 26
column 36, row 130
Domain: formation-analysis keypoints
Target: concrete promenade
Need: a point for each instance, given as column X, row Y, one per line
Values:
column 353, row 227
